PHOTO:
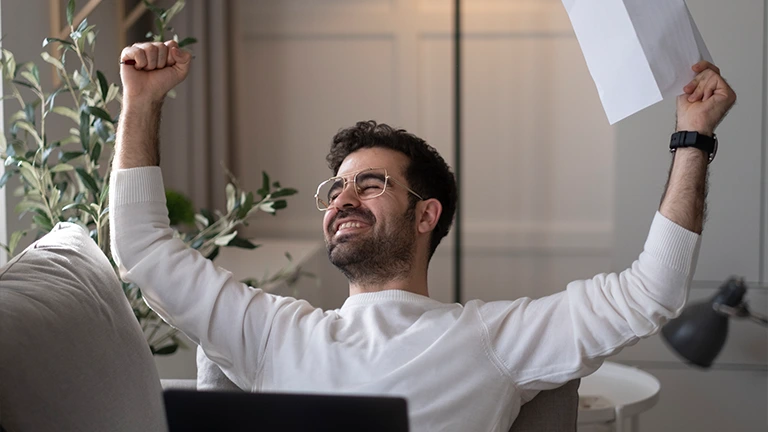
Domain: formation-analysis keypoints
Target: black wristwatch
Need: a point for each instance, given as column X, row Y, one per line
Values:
column 694, row 139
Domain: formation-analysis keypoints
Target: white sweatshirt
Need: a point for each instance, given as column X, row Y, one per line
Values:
column 461, row 368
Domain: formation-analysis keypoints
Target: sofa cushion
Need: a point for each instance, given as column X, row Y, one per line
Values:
column 72, row 354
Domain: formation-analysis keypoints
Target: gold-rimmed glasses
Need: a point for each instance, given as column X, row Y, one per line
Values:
column 369, row 183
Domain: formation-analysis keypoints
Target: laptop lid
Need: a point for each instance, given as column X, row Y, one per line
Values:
column 188, row 410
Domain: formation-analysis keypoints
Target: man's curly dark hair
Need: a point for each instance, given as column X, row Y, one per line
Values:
column 427, row 172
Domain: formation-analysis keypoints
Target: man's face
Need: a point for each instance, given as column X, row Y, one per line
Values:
column 372, row 240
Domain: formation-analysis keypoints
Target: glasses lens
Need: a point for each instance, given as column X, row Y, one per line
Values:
column 328, row 191
column 371, row 183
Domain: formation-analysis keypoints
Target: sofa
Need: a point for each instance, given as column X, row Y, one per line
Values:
column 73, row 356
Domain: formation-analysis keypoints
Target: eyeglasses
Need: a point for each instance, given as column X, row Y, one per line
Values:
column 369, row 183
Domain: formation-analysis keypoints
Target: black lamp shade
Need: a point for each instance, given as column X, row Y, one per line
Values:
column 699, row 333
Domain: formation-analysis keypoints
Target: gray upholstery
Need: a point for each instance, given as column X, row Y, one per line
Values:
column 550, row 411
column 72, row 355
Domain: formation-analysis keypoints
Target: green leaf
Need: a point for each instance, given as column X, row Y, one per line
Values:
column 28, row 206
column 102, row 130
column 104, row 194
column 29, row 113
column 112, row 93
column 83, row 24
column 284, row 192
column 29, row 76
column 83, row 78
column 52, row 60
column 88, row 181
column 15, row 239
column 279, row 204
column 187, row 41
column 31, row 130
column 202, row 222
column 81, row 207
column 10, row 64
column 224, row 240
column 264, row 191
column 70, row 12
column 245, row 206
column 242, row 243
column 67, row 112
column 18, row 115
column 48, row 40
column 36, row 73
column 103, row 85
column 68, row 156
column 62, row 167
column 173, row 10
column 3, row 144
column 85, row 135
column 28, row 173
column 43, row 222
column 98, row 112
column 96, row 153
column 24, row 83
column 230, row 190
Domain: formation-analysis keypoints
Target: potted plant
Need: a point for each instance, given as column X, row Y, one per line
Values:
column 66, row 178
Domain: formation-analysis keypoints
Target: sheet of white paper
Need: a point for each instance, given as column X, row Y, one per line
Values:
column 638, row 51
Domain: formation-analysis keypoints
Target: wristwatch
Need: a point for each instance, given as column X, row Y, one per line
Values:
column 694, row 139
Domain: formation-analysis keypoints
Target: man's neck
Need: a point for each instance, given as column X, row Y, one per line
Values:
column 415, row 283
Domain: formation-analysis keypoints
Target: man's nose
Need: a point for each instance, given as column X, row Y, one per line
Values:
column 347, row 198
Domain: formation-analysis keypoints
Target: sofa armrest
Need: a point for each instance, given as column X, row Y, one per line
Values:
column 178, row 384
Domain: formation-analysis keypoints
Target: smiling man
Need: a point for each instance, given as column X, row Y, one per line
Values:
column 392, row 198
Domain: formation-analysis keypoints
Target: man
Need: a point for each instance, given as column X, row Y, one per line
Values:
column 461, row 368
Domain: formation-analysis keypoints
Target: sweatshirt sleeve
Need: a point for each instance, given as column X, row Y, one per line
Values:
column 547, row 342
column 228, row 319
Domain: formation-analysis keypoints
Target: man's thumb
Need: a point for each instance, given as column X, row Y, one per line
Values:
column 182, row 57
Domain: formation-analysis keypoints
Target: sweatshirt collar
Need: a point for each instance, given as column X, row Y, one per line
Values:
column 365, row 299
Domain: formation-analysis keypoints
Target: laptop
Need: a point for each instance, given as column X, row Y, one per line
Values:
column 189, row 410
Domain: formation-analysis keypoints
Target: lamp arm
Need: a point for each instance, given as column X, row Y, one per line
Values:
column 741, row 311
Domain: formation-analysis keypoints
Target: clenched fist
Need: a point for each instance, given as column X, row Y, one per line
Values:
column 158, row 68
column 705, row 102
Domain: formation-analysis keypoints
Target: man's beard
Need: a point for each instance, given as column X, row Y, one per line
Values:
column 375, row 257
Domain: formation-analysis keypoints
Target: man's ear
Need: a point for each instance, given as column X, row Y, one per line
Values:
column 429, row 215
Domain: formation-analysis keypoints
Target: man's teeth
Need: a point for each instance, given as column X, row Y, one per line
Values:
column 349, row 225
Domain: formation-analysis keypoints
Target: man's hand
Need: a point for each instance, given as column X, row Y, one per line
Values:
column 159, row 68
column 706, row 101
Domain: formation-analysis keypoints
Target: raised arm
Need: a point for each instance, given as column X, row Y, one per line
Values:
column 705, row 103
column 546, row 342
column 229, row 320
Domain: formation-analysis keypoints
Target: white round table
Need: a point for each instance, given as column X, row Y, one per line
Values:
column 615, row 394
